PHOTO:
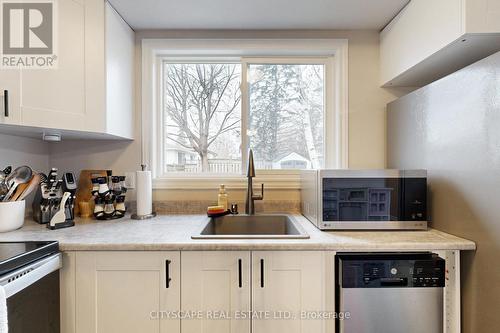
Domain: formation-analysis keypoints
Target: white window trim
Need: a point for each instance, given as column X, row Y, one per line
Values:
column 155, row 50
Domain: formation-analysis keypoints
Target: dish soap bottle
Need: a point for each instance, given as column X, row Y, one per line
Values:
column 222, row 198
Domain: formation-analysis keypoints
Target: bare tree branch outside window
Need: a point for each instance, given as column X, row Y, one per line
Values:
column 286, row 115
column 202, row 116
column 202, row 108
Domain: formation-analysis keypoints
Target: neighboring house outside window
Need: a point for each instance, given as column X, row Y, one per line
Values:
column 212, row 108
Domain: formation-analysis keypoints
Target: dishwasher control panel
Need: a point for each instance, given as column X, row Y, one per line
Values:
column 380, row 270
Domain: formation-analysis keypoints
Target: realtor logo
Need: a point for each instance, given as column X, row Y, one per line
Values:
column 28, row 34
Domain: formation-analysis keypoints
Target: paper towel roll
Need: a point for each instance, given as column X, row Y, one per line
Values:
column 144, row 193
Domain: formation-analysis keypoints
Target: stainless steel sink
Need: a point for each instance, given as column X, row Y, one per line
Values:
column 252, row 227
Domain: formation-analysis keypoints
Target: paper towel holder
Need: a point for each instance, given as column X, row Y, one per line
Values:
column 143, row 217
column 147, row 216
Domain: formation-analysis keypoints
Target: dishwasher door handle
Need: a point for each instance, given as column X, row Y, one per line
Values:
column 24, row 277
column 394, row 282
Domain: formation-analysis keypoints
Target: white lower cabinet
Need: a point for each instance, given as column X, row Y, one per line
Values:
column 197, row 291
column 216, row 290
column 127, row 292
column 290, row 289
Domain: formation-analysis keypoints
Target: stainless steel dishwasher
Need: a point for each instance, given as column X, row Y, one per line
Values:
column 390, row 293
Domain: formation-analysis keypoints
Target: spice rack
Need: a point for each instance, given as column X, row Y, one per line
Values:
column 109, row 197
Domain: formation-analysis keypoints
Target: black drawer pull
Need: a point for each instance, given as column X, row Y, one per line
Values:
column 6, row 102
column 262, row 273
column 240, row 278
column 167, row 273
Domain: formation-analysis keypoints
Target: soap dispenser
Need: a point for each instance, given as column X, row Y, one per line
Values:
column 222, row 198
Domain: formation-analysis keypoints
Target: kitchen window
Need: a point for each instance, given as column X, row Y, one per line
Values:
column 201, row 109
column 212, row 105
column 286, row 107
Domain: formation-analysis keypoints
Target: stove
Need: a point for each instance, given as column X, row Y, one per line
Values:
column 29, row 275
column 14, row 255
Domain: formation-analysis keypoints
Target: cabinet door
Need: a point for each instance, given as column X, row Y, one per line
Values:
column 289, row 284
column 10, row 80
column 120, row 48
column 56, row 98
column 216, row 284
column 127, row 292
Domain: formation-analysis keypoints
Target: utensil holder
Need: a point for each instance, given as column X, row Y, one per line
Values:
column 12, row 215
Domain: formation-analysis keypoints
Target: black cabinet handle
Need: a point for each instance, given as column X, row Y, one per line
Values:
column 240, row 277
column 262, row 273
column 167, row 273
column 6, row 102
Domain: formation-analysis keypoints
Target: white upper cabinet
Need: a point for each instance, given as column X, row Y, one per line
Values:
column 428, row 40
column 55, row 98
column 119, row 75
column 92, row 88
column 10, row 96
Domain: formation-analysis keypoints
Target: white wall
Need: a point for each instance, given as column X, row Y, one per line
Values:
column 451, row 128
column 120, row 156
column 367, row 105
column 367, row 101
column 17, row 151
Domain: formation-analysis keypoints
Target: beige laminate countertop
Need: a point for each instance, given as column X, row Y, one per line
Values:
column 173, row 232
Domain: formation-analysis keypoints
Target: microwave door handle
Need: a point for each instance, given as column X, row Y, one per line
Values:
column 33, row 273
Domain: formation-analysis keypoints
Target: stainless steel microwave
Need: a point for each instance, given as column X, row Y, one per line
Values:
column 365, row 199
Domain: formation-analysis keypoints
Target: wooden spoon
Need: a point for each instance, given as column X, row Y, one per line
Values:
column 19, row 190
column 21, row 175
column 32, row 185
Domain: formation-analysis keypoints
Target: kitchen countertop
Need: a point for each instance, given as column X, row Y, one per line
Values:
column 173, row 232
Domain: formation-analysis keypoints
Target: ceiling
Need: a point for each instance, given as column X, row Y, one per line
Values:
column 258, row 14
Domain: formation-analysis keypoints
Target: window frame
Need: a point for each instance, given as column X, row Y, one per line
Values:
column 329, row 114
column 160, row 120
column 332, row 53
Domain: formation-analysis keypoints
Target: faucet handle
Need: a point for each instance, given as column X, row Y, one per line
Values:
column 261, row 195
column 234, row 208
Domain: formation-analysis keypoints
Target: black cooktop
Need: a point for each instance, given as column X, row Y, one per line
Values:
column 14, row 255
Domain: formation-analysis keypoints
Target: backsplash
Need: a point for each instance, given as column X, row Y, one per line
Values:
column 200, row 207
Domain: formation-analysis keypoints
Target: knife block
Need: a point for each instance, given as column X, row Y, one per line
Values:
column 46, row 204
